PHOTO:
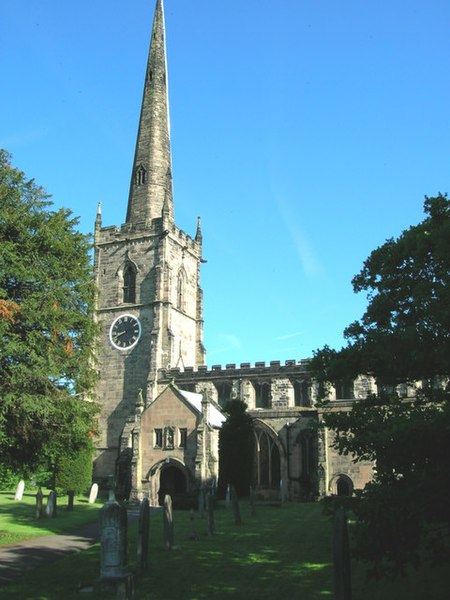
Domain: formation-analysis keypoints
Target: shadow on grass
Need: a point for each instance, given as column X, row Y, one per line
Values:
column 275, row 554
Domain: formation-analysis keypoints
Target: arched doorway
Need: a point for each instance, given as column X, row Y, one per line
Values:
column 172, row 481
column 342, row 487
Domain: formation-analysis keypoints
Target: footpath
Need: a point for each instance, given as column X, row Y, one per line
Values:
column 18, row 559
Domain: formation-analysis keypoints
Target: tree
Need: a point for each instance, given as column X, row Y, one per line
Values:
column 402, row 338
column 73, row 472
column 236, row 448
column 46, row 330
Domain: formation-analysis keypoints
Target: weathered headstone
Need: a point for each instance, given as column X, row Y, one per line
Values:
column 235, row 505
column 228, row 497
column 283, row 494
column 201, row 502
column 168, row 522
column 252, row 502
column 19, row 490
column 115, row 577
column 50, row 509
column 93, row 493
column 341, row 557
column 111, row 488
column 143, row 534
column 39, row 503
column 193, row 535
column 210, row 514
column 113, row 541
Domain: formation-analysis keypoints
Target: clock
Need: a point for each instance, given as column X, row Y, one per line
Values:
column 125, row 332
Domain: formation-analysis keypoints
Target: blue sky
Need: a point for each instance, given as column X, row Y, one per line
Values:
column 304, row 133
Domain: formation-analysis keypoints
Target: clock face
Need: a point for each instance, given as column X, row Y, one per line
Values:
column 125, row 332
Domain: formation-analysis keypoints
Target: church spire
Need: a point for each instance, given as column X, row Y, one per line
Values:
column 151, row 179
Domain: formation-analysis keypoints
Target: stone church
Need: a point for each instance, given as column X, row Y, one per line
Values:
column 160, row 404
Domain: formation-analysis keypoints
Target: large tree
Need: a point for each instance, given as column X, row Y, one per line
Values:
column 236, row 448
column 402, row 338
column 46, row 330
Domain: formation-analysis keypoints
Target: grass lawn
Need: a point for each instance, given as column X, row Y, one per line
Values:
column 17, row 520
column 282, row 552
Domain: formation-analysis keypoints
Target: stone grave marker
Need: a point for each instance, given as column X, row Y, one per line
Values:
column 193, row 535
column 283, row 494
column 93, row 493
column 252, row 502
column 235, row 505
column 50, row 509
column 114, row 574
column 201, row 502
column 210, row 514
column 228, row 497
column 168, row 522
column 143, row 534
column 341, row 557
column 19, row 490
column 113, row 541
column 39, row 503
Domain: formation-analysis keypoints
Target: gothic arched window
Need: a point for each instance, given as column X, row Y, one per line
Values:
column 129, row 284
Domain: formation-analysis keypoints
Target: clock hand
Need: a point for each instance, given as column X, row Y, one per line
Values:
column 120, row 333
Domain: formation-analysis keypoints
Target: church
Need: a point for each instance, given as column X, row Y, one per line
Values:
column 161, row 405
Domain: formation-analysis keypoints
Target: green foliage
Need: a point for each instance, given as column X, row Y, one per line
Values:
column 74, row 472
column 404, row 336
column 8, row 478
column 46, row 330
column 236, row 449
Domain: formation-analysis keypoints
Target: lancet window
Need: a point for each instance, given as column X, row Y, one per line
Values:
column 129, row 284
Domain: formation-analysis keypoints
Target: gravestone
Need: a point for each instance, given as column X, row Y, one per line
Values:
column 341, row 557
column 210, row 514
column 201, row 502
column 93, row 493
column 50, row 509
column 235, row 505
column 252, row 502
column 283, row 494
column 193, row 535
column 143, row 534
column 113, row 541
column 19, row 490
column 168, row 522
column 39, row 503
column 228, row 497
column 115, row 578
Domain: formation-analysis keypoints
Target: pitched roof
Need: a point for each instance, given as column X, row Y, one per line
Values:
column 215, row 415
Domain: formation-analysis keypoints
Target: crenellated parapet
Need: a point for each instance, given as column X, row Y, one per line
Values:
column 275, row 367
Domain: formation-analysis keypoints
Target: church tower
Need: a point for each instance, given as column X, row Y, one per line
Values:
column 149, row 305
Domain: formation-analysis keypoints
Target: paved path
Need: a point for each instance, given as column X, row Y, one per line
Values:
column 17, row 559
